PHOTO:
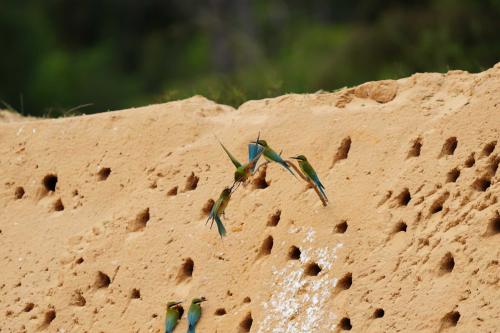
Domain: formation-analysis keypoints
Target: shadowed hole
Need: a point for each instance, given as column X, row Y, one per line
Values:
column 345, row 282
column 259, row 182
column 481, row 184
column 437, row 206
column 345, row 324
column 140, row 221
column 79, row 260
column 207, row 208
column 103, row 174
column 274, row 219
column 470, row 161
column 493, row 226
column 58, row 205
column 186, row 270
column 378, row 313
column 135, row 293
column 341, row 227
column 19, row 192
column 312, row 269
column 220, row 312
column 181, row 311
column 49, row 183
column 49, row 317
column 449, row 146
column 191, row 182
column 173, row 191
column 267, row 246
column 342, row 150
column 294, row 253
column 102, row 280
column 28, row 307
column 452, row 175
column 247, row 300
column 415, row 148
column 403, row 198
column 400, row 227
column 451, row 319
column 77, row 298
column 246, row 323
column 489, row 148
column 447, row 263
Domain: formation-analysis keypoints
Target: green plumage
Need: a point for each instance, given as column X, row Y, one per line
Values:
column 194, row 314
column 311, row 174
column 172, row 316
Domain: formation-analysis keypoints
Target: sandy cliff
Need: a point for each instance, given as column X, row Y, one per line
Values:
column 102, row 217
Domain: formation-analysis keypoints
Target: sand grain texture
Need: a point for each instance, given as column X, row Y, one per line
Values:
column 102, row 216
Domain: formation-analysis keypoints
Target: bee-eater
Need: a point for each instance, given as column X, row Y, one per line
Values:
column 218, row 210
column 243, row 171
column 272, row 156
column 194, row 313
column 309, row 172
column 172, row 316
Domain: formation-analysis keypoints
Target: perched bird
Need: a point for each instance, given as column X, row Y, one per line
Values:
column 194, row 313
column 243, row 171
column 174, row 312
column 272, row 156
column 218, row 209
column 309, row 172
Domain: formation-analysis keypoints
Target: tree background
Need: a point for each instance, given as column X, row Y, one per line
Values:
column 59, row 56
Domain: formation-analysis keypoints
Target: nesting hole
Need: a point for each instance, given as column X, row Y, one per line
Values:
column 103, row 174
column 404, row 197
column 312, row 269
column 28, row 307
column 186, row 270
column 19, row 192
column 343, row 150
column 49, row 317
column 447, row 263
column 102, row 280
column 470, row 161
column 378, row 313
column 49, row 183
column 173, row 191
column 140, row 221
column 481, row 184
column 489, row 148
column 345, row 282
column 247, row 300
column 493, row 226
column 437, row 206
column 400, row 227
column 415, row 148
column 341, row 227
column 451, row 319
column 449, row 146
column 79, row 261
column 135, row 293
column 345, row 324
column 452, row 175
column 294, row 253
column 58, row 205
column 267, row 246
column 274, row 219
column 260, row 181
column 246, row 323
column 207, row 208
column 220, row 312
column 191, row 182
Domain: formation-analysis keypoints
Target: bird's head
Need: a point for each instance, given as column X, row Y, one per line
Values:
column 226, row 192
column 263, row 143
column 300, row 158
column 198, row 300
column 171, row 305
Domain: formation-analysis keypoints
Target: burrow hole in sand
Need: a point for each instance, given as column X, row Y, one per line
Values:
column 19, row 192
column 449, row 146
column 489, row 148
column 220, row 312
column 102, row 280
column 260, row 182
column 493, row 226
column 103, row 174
column 191, row 182
column 79, row 261
column 437, row 206
column 49, row 182
column 481, row 184
column 294, row 253
column 207, row 207
column 186, row 270
column 378, row 313
column 403, row 198
column 173, row 191
column 135, row 293
column 312, row 269
column 415, row 148
column 342, row 150
column 400, row 227
column 345, row 282
column 246, row 323
column 267, row 246
column 452, row 175
column 247, row 300
column 49, row 316
column 345, row 324
column 451, row 319
column 58, row 205
column 446, row 264
column 470, row 161
column 341, row 228
column 28, row 307
column 274, row 219
column 140, row 221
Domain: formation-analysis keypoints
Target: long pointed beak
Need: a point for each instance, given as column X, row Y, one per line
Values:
column 176, row 303
column 295, row 158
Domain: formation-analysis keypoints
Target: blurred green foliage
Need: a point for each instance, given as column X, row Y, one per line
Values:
column 61, row 57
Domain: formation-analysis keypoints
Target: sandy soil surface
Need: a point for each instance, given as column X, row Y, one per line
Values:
column 102, row 217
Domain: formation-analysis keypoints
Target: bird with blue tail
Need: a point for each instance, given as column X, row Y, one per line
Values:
column 218, row 209
column 272, row 156
column 310, row 174
column 194, row 313
column 172, row 316
column 244, row 171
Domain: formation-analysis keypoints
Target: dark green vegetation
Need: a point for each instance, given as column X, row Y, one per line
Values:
column 58, row 55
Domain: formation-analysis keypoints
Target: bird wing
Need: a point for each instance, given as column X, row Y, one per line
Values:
column 254, row 153
column 274, row 156
column 233, row 159
column 194, row 315
column 171, row 321
column 311, row 173
column 220, row 226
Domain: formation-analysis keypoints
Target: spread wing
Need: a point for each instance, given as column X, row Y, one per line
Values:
column 233, row 159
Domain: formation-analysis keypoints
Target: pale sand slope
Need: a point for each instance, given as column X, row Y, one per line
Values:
column 413, row 221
